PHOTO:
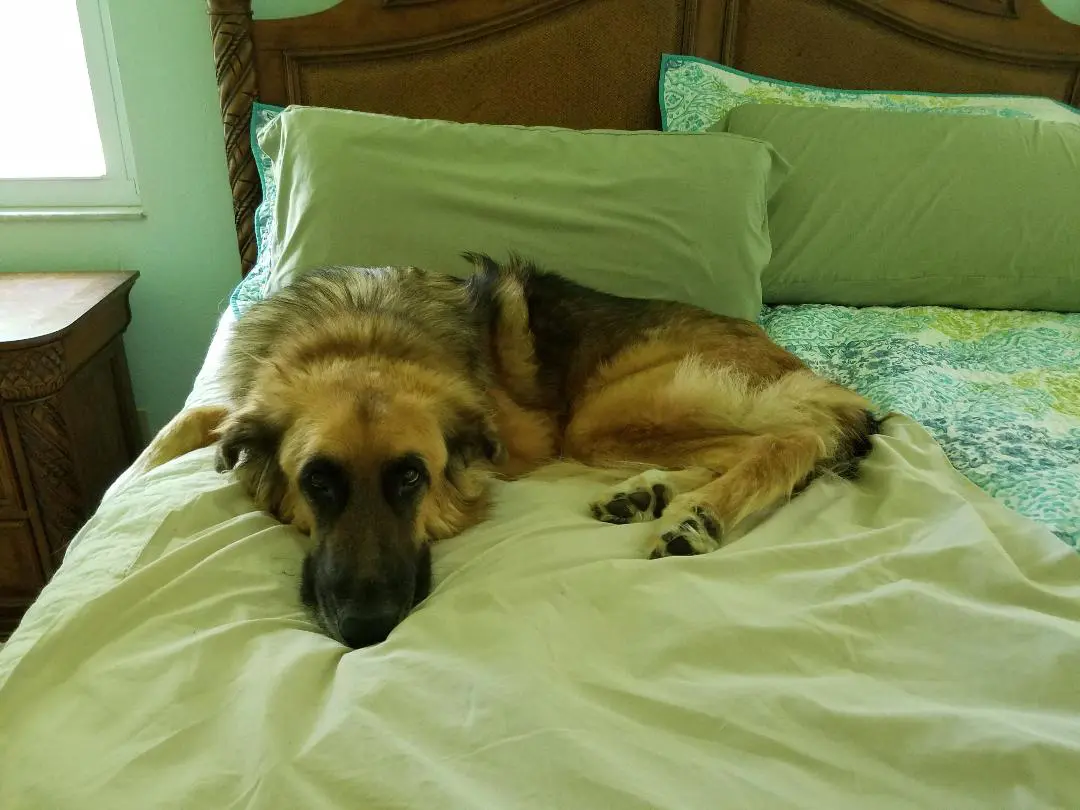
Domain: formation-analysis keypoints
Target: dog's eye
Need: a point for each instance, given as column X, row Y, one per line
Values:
column 403, row 478
column 324, row 483
column 319, row 484
column 411, row 478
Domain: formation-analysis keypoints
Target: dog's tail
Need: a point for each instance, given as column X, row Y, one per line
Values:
column 498, row 291
column 482, row 262
column 855, row 445
column 515, row 265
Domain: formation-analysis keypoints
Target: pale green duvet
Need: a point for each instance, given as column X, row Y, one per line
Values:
column 899, row 641
column 902, row 641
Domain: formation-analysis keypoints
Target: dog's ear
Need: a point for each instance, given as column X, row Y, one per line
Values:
column 249, row 445
column 244, row 434
column 474, row 438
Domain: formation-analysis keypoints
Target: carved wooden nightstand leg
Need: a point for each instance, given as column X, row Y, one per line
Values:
column 46, row 445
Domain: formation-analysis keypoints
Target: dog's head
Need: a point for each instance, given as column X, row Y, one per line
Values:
column 374, row 459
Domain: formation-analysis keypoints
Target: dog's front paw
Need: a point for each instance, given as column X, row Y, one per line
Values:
column 684, row 532
column 641, row 498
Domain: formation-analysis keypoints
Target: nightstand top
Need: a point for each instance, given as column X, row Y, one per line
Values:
column 38, row 306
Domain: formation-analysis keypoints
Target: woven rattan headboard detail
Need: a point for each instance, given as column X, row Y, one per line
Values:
column 594, row 63
column 230, row 27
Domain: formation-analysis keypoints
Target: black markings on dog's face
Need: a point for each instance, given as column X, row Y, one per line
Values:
column 362, row 611
column 404, row 480
column 325, row 485
column 368, row 568
column 307, row 584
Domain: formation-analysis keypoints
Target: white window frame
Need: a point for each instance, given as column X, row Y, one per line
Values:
column 117, row 193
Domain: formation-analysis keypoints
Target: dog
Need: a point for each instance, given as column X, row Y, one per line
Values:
column 370, row 408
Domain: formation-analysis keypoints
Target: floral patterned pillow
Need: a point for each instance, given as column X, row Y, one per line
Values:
column 254, row 286
column 998, row 390
column 695, row 94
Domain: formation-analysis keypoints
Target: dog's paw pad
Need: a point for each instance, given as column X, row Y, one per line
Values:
column 617, row 509
column 696, row 531
column 632, row 505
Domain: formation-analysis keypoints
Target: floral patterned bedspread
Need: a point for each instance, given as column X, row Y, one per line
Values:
column 1000, row 391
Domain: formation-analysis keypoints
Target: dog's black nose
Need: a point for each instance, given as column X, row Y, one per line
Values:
column 364, row 629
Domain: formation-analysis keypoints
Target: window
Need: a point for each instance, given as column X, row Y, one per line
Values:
column 63, row 140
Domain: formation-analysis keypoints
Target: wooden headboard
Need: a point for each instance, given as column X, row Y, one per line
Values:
column 594, row 63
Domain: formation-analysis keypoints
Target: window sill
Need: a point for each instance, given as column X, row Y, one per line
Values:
column 80, row 214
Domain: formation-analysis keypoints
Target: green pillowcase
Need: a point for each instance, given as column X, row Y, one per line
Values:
column 639, row 214
column 893, row 209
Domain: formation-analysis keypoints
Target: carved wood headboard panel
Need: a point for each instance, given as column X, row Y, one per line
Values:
column 594, row 63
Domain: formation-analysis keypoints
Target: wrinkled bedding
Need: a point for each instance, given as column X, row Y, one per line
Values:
column 904, row 641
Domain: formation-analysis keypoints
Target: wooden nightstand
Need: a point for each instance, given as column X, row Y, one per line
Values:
column 67, row 418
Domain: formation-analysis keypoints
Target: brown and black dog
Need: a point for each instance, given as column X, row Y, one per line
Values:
column 370, row 408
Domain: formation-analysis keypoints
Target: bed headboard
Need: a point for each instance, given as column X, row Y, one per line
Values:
column 594, row 63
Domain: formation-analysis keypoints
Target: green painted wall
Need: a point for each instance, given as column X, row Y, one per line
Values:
column 1066, row 9
column 185, row 248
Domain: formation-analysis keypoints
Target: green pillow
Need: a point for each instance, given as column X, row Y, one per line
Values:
column 639, row 214
column 889, row 208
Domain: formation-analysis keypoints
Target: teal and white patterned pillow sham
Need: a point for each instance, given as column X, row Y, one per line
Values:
column 998, row 390
column 254, row 286
column 695, row 94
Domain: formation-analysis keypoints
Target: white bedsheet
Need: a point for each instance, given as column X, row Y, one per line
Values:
column 902, row 642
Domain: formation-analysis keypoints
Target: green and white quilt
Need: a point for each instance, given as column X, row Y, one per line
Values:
column 1000, row 391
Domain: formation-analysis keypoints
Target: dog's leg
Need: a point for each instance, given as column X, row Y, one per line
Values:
column 696, row 522
column 745, row 445
column 189, row 430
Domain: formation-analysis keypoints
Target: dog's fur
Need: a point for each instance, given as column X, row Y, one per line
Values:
column 371, row 407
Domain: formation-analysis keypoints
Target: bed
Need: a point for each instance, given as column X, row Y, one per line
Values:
column 907, row 641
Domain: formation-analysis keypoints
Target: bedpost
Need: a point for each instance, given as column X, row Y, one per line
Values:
column 234, row 57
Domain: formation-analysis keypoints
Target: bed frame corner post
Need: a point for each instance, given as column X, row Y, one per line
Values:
column 234, row 58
